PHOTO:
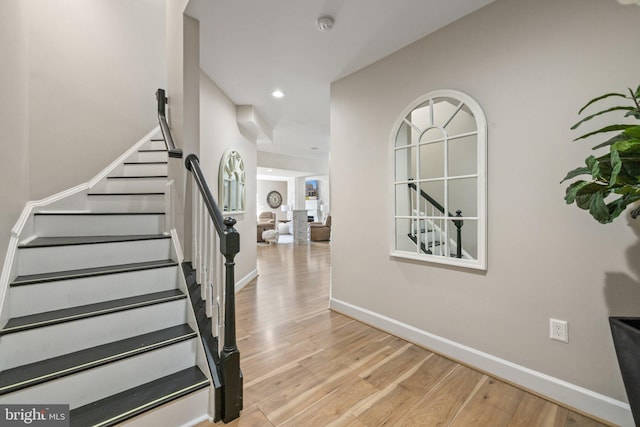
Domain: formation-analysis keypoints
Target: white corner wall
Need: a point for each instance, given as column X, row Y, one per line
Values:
column 531, row 66
column 93, row 69
column 14, row 144
column 218, row 133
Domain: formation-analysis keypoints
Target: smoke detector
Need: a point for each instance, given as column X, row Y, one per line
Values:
column 324, row 23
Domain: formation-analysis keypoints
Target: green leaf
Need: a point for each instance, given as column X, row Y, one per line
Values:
column 630, row 109
column 616, row 163
column 609, row 128
column 616, row 138
column 621, row 95
column 594, row 166
column 625, row 144
column 635, row 113
column 576, row 172
column 633, row 132
column 638, row 92
column 598, row 209
column 572, row 190
column 586, row 192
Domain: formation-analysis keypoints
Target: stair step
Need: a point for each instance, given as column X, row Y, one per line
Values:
column 127, row 404
column 45, row 242
column 49, row 224
column 30, row 279
column 48, row 318
column 35, row 373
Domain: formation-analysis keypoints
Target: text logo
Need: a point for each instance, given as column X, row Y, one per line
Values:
column 34, row 415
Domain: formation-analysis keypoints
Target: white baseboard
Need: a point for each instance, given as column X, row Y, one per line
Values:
column 587, row 401
column 245, row 280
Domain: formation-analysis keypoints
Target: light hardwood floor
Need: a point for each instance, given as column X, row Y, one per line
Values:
column 305, row 366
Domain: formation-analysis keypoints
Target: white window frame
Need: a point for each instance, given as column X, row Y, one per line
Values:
column 480, row 262
column 232, row 165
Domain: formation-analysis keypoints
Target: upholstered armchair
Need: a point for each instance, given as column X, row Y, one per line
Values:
column 266, row 221
column 319, row 232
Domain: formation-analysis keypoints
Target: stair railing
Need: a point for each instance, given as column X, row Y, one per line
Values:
column 164, row 126
column 435, row 205
column 203, row 262
column 206, row 213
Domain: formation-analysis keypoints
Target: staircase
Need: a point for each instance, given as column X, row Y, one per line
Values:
column 96, row 313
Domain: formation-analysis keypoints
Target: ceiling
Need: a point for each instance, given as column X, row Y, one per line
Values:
column 252, row 47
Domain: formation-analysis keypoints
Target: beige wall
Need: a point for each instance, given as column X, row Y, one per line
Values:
column 531, row 66
column 14, row 144
column 93, row 69
column 218, row 133
column 264, row 186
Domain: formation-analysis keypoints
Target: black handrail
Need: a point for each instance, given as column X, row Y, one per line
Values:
column 230, row 373
column 229, row 247
column 457, row 222
column 164, row 126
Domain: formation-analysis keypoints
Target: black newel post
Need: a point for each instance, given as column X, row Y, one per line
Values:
column 458, row 224
column 230, row 356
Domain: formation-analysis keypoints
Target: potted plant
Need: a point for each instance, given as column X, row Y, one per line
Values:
column 613, row 183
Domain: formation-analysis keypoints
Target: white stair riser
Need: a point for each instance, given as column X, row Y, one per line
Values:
column 144, row 169
column 148, row 156
column 33, row 345
column 62, row 258
column 155, row 145
column 186, row 411
column 133, row 203
column 31, row 299
column 98, row 225
column 131, row 185
column 100, row 382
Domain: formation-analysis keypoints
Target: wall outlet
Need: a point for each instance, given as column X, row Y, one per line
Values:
column 559, row 330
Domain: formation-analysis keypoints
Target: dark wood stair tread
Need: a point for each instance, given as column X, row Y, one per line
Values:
column 42, row 242
column 30, row 279
column 146, row 163
column 96, row 213
column 36, row 373
column 128, row 194
column 54, row 317
column 139, row 176
column 127, row 404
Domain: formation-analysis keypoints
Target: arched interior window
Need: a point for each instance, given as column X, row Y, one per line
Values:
column 232, row 183
column 439, row 148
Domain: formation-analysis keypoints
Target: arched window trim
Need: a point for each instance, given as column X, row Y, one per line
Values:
column 480, row 262
column 232, row 165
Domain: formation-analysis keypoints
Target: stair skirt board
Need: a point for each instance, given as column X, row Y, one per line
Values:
column 36, row 259
column 41, row 296
column 36, row 373
column 80, row 389
column 129, row 403
column 42, row 343
column 99, row 223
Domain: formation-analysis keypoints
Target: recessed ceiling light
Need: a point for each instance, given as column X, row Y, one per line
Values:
column 277, row 93
column 269, row 170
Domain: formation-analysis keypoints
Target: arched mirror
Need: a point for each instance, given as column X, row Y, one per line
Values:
column 439, row 183
column 232, row 183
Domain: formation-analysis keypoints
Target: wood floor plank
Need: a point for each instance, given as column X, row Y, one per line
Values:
column 536, row 412
column 333, row 406
column 440, row 406
column 500, row 395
